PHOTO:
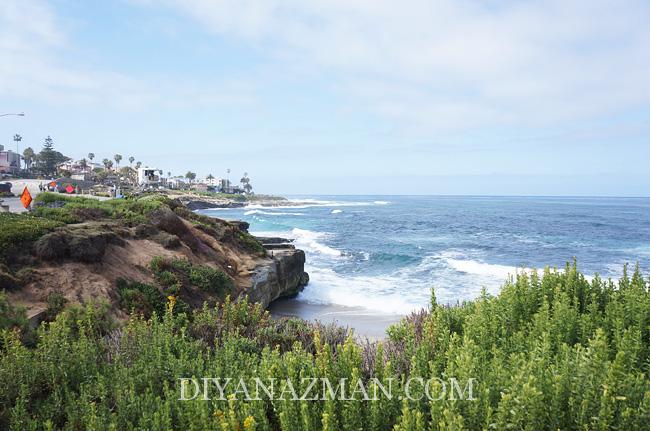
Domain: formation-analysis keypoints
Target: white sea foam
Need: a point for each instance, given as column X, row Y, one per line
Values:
column 309, row 241
column 482, row 268
column 337, row 211
column 272, row 213
column 306, row 240
column 307, row 203
column 382, row 294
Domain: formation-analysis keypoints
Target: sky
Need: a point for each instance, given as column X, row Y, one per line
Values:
column 341, row 96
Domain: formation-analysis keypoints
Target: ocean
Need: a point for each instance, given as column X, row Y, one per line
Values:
column 384, row 254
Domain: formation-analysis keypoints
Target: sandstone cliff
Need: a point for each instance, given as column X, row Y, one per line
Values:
column 195, row 258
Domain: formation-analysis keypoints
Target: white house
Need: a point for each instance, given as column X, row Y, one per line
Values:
column 212, row 182
column 78, row 167
column 176, row 183
column 9, row 161
column 148, row 177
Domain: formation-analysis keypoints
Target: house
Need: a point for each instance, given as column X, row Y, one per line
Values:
column 9, row 161
column 212, row 182
column 79, row 166
column 200, row 187
column 148, row 177
column 82, row 176
column 176, row 183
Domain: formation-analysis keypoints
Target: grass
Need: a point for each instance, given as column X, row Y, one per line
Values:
column 73, row 209
column 549, row 352
column 18, row 229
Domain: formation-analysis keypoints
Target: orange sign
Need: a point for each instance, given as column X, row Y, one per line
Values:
column 26, row 198
column 53, row 184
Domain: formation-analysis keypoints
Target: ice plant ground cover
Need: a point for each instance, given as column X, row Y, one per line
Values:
column 554, row 351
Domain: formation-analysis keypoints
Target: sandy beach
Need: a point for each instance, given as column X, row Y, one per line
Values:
column 366, row 323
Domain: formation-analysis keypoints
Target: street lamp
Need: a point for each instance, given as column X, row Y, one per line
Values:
column 17, row 139
column 19, row 114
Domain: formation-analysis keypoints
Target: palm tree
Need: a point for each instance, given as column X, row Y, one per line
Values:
column 169, row 174
column 246, row 183
column 190, row 176
column 83, row 164
column 28, row 157
column 91, row 156
column 131, row 159
column 138, row 165
column 108, row 164
column 17, row 139
column 118, row 159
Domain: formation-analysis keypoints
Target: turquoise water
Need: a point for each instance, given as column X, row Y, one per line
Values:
column 385, row 253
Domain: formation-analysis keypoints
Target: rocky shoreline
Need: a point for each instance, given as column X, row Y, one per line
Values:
column 196, row 202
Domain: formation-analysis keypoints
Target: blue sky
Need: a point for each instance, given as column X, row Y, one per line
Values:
column 342, row 96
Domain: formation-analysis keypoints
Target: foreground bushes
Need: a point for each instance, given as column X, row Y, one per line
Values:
column 556, row 352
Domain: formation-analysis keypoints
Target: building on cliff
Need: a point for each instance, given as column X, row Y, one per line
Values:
column 9, row 161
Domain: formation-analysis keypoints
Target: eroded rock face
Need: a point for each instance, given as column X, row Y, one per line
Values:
column 168, row 221
column 84, row 243
column 284, row 276
column 85, row 259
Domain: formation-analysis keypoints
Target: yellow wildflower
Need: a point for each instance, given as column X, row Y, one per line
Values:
column 249, row 423
column 170, row 304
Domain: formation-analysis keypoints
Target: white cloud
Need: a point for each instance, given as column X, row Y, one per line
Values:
column 458, row 63
column 39, row 62
column 434, row 64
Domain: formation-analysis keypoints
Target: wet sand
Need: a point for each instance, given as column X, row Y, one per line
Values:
column 366, row 323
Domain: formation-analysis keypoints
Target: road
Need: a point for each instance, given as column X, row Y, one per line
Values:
column 17, row 187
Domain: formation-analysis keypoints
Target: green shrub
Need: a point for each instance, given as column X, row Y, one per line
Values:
column 251, row 243
column 175, row 273
column 55, row 304
column 209, row 279
column 140, row 298
column 18, row 229
column 75, row 209
column 551, row 352
column 11, row 316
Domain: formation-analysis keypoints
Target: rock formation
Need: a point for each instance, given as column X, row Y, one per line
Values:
column 85, row 261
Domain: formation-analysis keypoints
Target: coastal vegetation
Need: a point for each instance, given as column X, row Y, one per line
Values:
column 72, row 209
column 134, row 254
column 554, row 351
column 174, row 273
column 16, row 229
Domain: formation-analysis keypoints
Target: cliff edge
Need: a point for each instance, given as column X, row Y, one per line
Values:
column 136, row 254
